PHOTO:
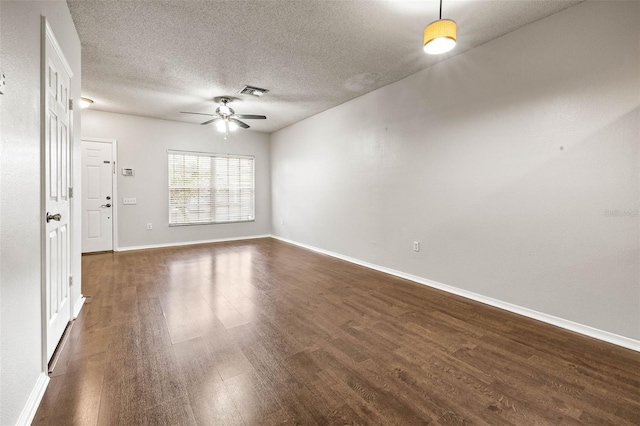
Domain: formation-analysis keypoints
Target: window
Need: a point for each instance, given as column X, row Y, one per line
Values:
column 210, row 188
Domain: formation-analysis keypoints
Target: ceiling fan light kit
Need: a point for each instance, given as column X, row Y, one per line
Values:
column 225, row 126
column 440, row 36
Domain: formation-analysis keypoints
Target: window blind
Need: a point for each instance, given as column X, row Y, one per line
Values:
column 210, row 188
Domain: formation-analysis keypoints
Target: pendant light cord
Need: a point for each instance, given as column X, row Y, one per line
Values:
column 440, row 9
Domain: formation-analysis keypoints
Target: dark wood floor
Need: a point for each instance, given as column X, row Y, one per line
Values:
column 262, row 332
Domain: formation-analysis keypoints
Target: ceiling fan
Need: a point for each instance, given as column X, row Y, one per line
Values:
column 226, row 118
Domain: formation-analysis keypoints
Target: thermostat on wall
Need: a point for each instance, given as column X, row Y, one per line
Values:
column 127, row 172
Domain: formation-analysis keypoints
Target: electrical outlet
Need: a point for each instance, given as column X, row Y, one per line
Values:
column 149, row 226
column 416, row 246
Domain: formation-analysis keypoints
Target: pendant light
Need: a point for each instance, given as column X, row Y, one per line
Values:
column 440, row 35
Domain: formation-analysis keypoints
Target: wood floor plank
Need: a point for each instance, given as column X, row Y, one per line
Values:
column 211, row 402
column 255, row 401
column 262, row 332
column 175, row 412
column 79, row 388
column 122, row 400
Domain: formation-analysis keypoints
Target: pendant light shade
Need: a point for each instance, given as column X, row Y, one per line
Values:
column 440, row 36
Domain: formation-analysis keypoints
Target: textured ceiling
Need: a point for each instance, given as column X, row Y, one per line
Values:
column 157, row 58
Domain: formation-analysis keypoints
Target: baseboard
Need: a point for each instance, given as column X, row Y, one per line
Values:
column 30, row 408
column 190, row 243
column 586, row 330
column 78, row 306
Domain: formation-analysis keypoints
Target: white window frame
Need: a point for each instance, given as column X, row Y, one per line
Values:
column 250, row 218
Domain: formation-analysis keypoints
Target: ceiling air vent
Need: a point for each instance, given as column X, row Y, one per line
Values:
column 253, row 91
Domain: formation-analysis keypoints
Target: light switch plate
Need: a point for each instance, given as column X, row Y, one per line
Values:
column 129, row 201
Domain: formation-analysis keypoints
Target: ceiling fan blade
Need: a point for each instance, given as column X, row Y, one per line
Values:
column 198, row 113
column 210, row 121
column 239, row 123
column 250, row 116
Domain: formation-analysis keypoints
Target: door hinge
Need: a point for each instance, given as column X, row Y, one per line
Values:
column 71, row 104
column 70, row 280
column 70, row 192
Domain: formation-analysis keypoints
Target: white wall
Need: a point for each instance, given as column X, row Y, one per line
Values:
column 142, row 146
column 21, row 352
column 502, row 161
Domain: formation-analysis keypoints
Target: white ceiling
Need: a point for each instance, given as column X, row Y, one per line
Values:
column 157, row 58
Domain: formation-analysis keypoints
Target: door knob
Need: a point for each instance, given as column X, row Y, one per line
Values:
column 106, row 205
column 51, row 217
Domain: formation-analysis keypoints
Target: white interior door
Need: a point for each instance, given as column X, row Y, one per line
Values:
column 97, row 196
column 57, row 117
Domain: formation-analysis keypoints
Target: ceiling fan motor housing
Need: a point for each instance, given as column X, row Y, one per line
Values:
column 223, row 110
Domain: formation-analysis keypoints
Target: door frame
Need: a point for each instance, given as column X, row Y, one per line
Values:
column 114, row 186
column 47, row 33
